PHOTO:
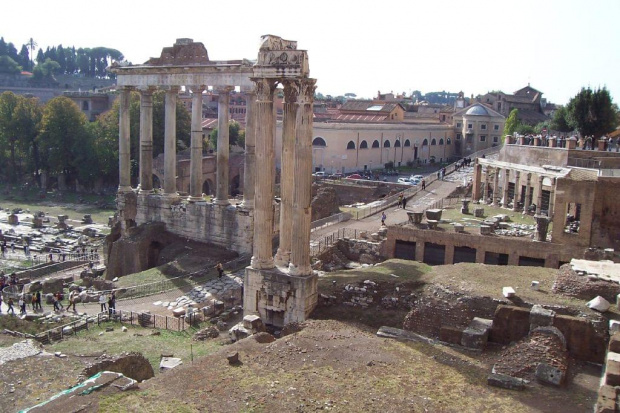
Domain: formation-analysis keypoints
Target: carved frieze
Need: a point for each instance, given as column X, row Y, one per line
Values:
column 271, row 42
column 282, row 58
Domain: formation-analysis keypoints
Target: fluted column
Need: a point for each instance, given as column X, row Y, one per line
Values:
column 221, row 194
column 476, row 184
column 539, row 197
column 170, row 142
column 265, row 175
column 302, row 212
column 495, row 187
column 551, row 198
column 195, row 178
column 249, row 166
column 506, row 184
column 146, row 140
column 528, row 198
column 517, row 193
column 287, row 174
column 123, row 141
column 485, row 191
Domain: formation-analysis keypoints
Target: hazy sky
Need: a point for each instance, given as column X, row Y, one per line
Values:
column 361, row 46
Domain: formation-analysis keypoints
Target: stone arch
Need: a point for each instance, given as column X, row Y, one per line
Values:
column 407, row 143
column 425, row 142
column 153, row 254
column 207, row 187
column 318, row 141
column 364, row 145
column 448, row 141
column 375, row 144
column 397, row 144
column 433, row 142
column 441, row 141
column 351, row 145
column 386, row 143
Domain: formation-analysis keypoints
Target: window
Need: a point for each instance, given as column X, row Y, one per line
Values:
column 483, row 138
column 351, row 145
column 483, row 126
column 425, row 142
column 375, row 144
column 397, row 144
column 495, row 139
column 459, row 125
column 470, row 126
column 386, row 144
column 495, row 127
column 458, row 136
column 85, row 105
column 441, row 141
column 407, row 143
column 364, row 145
column 319, row 142
column 448, row 141
column 433, row 142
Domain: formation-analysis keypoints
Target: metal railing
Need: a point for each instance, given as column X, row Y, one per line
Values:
column 330, row 220
column 323, row 242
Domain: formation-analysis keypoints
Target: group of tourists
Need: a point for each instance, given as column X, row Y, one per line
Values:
column 108, row 300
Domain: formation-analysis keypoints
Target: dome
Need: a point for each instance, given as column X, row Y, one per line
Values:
column 477, row 110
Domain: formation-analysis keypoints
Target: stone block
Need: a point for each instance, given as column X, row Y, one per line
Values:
column 432, row 224
column 606, row 402
column 549, row 374
column 167, row 363
column 599, row 304
column 233, row 357
column 37, row 222
column 614, row 327
column 238, row 332
column 178, row 312
column 434, row 214
column 13, row 219
column 485, row 230
column 476, row 335
column 508, row 292
column 505, row 382
column 540, row 316
column 52, row 285
column 253, row 323
column 459, row 227
column 535, row 285
column 478, row 212
column 614, row 343
column 452, row 335
column 612, row 369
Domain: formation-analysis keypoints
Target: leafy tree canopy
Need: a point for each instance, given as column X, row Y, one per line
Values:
column 592, row 113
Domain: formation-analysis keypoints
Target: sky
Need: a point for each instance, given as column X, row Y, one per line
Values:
column 361, row 47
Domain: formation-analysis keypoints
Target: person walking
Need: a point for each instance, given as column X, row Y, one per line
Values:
column 72, row 297
column 404, row 202
column 400, row 199
column 38, row 297
column 423, row 184
column 220, row 269
column 22, row 305
column 112, row 304
column 383, row 218
column 10, row 306
column 102, row 302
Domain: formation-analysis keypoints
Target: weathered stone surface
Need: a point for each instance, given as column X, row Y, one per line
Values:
column 607, row 397
column 52, row 285
column 206, row 333
column 325, row 201
column 253, row 323
column 505, row 382
column 614, row 343
column 612, row 369
column 540, row 316
column 238, row 332
column 233, row 358
column 485, row 230
column 549, row 374
column 263, row 338
column 508, row 292
column 167, row 363
column 479, row 212
column 599, row 304
column 133, row 365
column 434, row 214
column 476, row 334
column 452, row 335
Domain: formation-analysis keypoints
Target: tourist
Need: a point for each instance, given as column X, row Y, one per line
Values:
column 220, row 269
column 102, row 302
column 22, row 305
column 400, row 200
column 38, row 296
column 404, row 202
column 383, row 218
column 423, row 184
column 10, row 306
column 13, row 247
column 0, row 301
column 72, row 297
column 33, row 302
column 2, row 249
column 112, row 304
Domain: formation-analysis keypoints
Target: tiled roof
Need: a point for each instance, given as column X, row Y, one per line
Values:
column 579, row 174
column 209, row 123
column 359, row 118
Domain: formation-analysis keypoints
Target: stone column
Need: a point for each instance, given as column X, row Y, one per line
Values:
column 265, row 175
column 542, row 225
column 551, row 198
column 250, row 147
column 123, row 141
column 195, row 178
column 485, row 191
column 528, row 198
column 506, row 185
column 476, row 181
column 302, row 213
column 146, row 140
column 517, row 193
column 287, row 175
column 170, row 142
column 539, row 197
column 495, row 187
column 221, row 194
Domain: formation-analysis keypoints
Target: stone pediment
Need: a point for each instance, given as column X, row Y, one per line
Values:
column 183, row 52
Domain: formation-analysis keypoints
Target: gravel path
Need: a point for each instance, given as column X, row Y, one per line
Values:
column 23, row 349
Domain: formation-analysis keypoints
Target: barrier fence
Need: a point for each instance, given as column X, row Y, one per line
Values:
column 323, row 242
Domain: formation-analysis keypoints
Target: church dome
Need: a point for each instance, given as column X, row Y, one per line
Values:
column 477, row 110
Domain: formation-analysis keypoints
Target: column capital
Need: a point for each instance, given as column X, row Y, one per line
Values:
column 223, row 90
column 249, row 91
column 147, row 90
column 264, row 88
column 307, row 90
column 197, row 89
column 126, row 88
column 292, row 88
column 171, row 89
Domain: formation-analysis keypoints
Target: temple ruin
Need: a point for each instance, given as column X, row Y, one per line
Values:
column 281, row 289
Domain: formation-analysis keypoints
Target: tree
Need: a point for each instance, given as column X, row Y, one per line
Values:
column 24, row 58
column 27, row 117
column 32, row 44
column 236, row 136
column 63, row 126
column 8, row 130
column 592, row 112
column 8, row 65
column 45, row 71
column 40, row 56
column 560, row 121
column 512, row 122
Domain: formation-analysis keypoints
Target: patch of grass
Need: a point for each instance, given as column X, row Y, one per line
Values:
column 405, row 270
column 453, row 214
column 17, row 324
column 142, row 401
column 136, row 339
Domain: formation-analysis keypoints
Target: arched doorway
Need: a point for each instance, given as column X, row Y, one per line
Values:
column 156, row 182
column 234, row 186
column 207, row 186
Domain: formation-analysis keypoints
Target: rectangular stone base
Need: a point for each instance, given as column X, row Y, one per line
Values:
column 277, row 297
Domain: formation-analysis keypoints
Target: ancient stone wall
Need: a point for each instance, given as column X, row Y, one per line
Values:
column 606, row 214
column 369, row 192
column 534, row 155
column 325, row 201
column 584, row 193
column 553, row 254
